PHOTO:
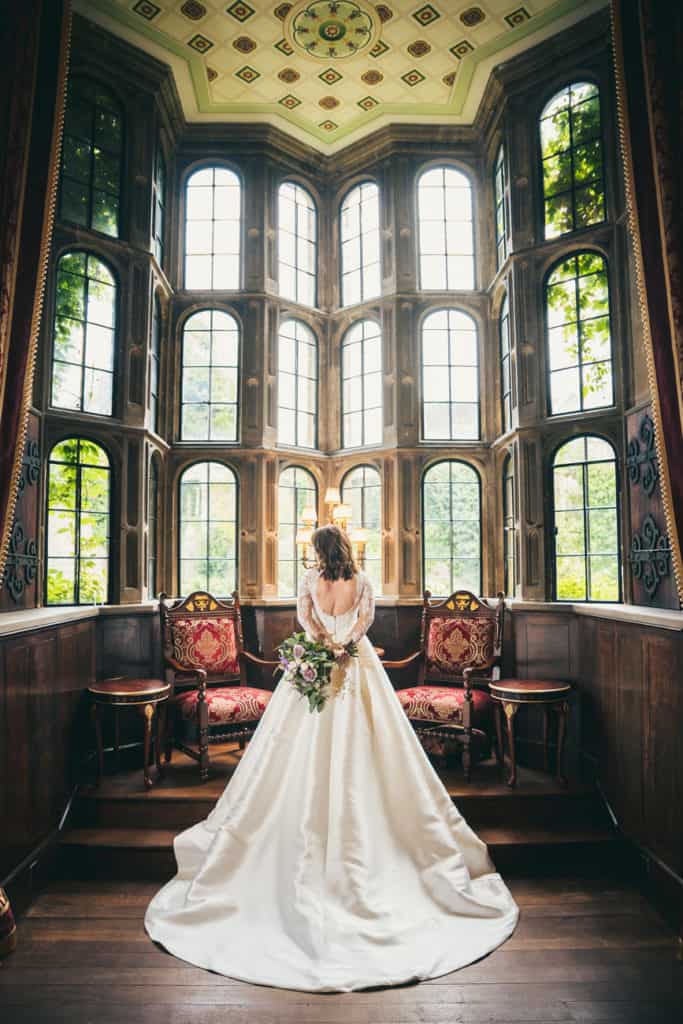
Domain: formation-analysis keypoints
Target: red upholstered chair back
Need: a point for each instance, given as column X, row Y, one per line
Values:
column 462, row 631
column 201, row 631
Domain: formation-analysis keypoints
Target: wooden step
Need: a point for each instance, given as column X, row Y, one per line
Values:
column 148, row 852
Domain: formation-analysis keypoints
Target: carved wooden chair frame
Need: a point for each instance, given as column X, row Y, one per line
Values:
column 462, row 604
column 203, row 605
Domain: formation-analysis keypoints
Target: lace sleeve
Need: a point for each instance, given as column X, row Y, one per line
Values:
column 366, row 610
column 305, row 610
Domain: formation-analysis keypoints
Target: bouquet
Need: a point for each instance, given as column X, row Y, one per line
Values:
column 310, row 666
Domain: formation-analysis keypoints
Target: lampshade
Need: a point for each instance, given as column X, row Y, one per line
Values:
column 309, row 515
column 342, row 513
column 303, row 537
column 332, row 496
column 359, row 535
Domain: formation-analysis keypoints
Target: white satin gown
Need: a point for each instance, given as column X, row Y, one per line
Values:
column 335, row 859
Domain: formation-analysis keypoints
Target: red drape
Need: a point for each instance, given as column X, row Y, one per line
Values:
column 648, row 51
column 35, row 36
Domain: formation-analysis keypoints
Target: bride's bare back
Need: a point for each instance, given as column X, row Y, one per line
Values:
column 336, row 597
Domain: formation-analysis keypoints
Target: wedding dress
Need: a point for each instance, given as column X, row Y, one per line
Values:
column 335, row 859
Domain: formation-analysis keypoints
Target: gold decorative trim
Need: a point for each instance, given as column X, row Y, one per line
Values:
column 45, row 241
column 634, row 226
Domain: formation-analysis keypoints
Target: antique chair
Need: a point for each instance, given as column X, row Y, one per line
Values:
column 206, row 666
column 461, row 641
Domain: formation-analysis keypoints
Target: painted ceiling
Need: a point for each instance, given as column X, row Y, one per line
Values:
column 331, row 71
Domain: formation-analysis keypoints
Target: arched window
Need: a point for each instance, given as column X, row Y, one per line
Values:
column 152, row 526
column 451, row 528
column 571, row 153
column 505, row 370
column 501, row 189
column 509, row 526
column 84, row 334
column 297, row 385
column 586, row 528
column 212, row 229
column 450, row 377
column 446, row 232
column 297, row 244
column 210, row 382
column 362, row 385
column 208, row 529
column 158, row 204
column 578, row 334
column 154, row 364
column 360, row 258
column 362, row 489
column 297, row 491
column 78, row 523
column 90, row 186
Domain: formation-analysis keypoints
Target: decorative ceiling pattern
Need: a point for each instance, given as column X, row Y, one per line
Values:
column 331, row 71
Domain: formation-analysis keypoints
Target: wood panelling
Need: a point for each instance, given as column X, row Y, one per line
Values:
column 42, row 679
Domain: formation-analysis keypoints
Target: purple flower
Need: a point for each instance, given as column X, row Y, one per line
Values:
column 298, row 651
column 309, row 673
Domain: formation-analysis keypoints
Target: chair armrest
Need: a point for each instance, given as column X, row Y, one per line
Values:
column 248, row 656
column 403, row 662
column 200, row 673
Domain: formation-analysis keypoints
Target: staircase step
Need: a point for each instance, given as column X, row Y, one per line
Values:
column 148, row 852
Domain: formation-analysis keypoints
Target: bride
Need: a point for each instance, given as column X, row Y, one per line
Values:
column 335, row 859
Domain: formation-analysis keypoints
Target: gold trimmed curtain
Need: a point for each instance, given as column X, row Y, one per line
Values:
column 35, row 37
column 648, row 56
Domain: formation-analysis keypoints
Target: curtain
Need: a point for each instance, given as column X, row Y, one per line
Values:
column 35, row 35
column 648, row 53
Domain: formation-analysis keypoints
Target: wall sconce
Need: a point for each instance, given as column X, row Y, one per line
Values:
column 341, row 514
column 359, row 538
column 304, row 537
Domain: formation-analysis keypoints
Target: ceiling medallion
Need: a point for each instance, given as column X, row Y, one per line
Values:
column 329, row 30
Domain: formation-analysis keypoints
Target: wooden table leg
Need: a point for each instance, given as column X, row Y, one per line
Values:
column 546, row 724
column 160, row 737
column 563, row 713
column 498, row 712
column 510, row 712
column 95, row 713
column 148, row 712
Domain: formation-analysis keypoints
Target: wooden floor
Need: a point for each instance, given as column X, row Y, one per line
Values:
column 585, row 950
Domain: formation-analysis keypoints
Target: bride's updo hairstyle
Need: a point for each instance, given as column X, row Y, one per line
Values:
column 335, row 554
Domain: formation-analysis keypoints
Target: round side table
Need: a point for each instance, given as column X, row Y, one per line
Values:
column 148, row 696
column 511, row 694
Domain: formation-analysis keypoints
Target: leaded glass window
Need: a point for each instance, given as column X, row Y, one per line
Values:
column 362, row 489
column 505, row 363
column 158, row 204
column 360, row 251
column 451, row 526
column 586, row 526
column 361, row 357
column 297, row 244
column 446, row 230
column 501, row 188
column 84, row 335
column 208, row 529
column 297, row 491
column 92, row 150
column 78, row 523
column 154, row 364
column 210, row 382
column 297, row 385
column 572, row 160
column 509, row 525
column 450, row 377
column 152, row 526
column 212, row 229
column 578, row 334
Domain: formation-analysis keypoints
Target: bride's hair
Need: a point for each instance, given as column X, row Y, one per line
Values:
column 335, row 554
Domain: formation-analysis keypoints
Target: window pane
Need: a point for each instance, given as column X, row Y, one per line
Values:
column 360, row 256
column 210, row 377
column 571, row 151
column 361, row 488
column 446, row 230
column 78, row 526
column 297, row 244
column 297, row 491
column 297, row 384
column 361, row 359
column 450, row 376
column 208, row 529
column 451, row 524
column 212, row 229
column 586, row 521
